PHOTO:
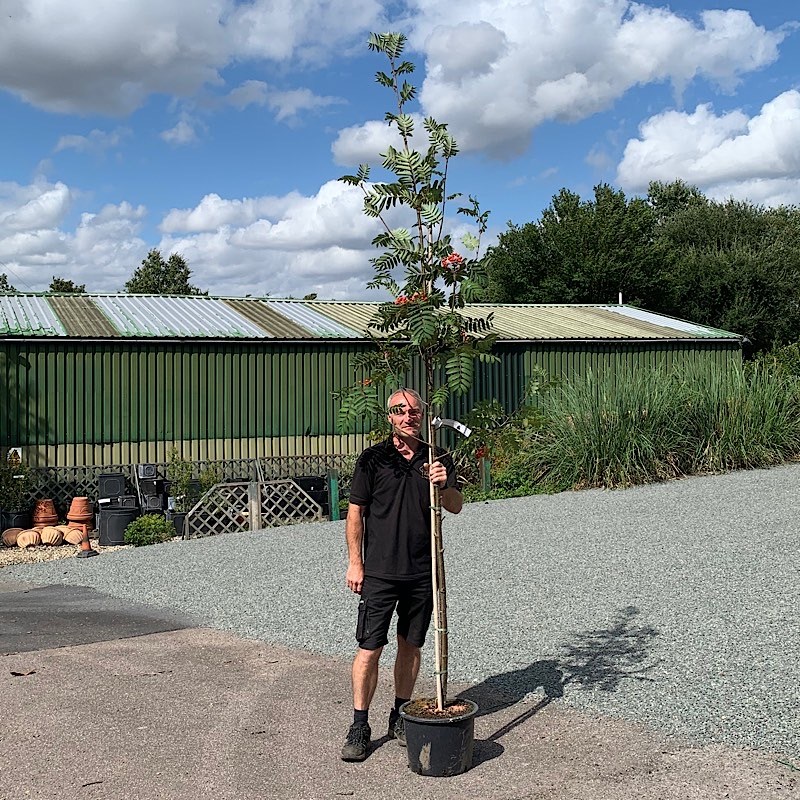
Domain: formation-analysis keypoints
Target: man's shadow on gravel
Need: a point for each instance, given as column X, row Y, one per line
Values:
column 595, row 659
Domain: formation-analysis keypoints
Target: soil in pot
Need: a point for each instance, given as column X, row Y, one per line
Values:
column 426, row 708
column 440, row 743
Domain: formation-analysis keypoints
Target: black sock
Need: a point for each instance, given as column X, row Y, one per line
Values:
column 398, row 701
column 361, row 717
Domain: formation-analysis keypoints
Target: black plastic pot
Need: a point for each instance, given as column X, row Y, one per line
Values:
column 440, row 747
column 15, row 519
column 113, row 521
column 178, row 518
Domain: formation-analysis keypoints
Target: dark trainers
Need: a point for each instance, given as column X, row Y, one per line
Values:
column 397, row 727
column 357, row 742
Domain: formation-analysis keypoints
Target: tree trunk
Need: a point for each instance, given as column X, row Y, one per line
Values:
column 437, row 574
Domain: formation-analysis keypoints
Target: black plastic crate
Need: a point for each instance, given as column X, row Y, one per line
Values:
column 154, row 502
column 151, row 486
column 120, row 501
column 110, row 484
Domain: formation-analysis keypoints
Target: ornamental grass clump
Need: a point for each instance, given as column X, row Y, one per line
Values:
column 740, row 419
column 634, row 427
column 611, row 430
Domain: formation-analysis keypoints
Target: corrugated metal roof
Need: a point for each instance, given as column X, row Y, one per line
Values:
column 28, row 315
column 355, row 316
column 319, row 323
column 692, row 328
column 155, row 316
column 273, row 324
column 81, row 317
column 183, row 317
column 574, row 322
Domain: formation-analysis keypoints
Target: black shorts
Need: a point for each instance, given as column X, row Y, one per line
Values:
column 379, row 598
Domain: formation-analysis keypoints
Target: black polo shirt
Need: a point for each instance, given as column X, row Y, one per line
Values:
column 397, row 519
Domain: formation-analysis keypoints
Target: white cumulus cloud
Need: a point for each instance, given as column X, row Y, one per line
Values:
column 101, row 251
column 96, row 141
column 83, row 56
column 292, row 244
column 31, row 208
column 287, row 104
column 729, row 154
column 363, row 144
column 528, row 62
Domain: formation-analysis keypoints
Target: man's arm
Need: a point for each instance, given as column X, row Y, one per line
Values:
column 451, row 498
column 354, row 534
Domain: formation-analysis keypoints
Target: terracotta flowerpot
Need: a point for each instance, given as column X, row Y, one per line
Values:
column 81, row 511
column 44, row 512
column 51, row 536
column 10, row 536
column 74, row 536
column 29, row 538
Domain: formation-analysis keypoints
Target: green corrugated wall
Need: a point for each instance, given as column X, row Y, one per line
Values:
column 70, row 403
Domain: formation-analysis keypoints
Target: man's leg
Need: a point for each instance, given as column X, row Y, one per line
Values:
column 365, row 677
column 406, row 668
column 374, row 616
column 414, row 615
column 365, row 681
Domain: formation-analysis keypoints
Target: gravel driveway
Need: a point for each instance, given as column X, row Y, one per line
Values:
column 674, row 605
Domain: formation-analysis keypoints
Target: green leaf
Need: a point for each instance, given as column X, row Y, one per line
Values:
column 422, row 325
column 391, row 44
column 407, row 92
column 439, row 396
column 405, row 124
column 470, row 241
column 431, row 213
column 459, row 371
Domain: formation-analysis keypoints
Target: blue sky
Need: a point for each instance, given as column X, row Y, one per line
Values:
column 220, row 132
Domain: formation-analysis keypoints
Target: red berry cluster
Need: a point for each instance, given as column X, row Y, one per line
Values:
column 402, row 299
column 453, row 261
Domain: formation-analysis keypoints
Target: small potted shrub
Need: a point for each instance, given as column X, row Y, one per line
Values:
column 179, row 474
column 15, row 484
column 149, row 529
column 185, row 490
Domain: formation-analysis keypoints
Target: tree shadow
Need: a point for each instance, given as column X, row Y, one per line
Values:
column 597, row 659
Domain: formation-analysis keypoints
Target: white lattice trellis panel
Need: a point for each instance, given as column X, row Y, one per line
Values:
column 285, row 503
column 222, row 509
column 228, row 508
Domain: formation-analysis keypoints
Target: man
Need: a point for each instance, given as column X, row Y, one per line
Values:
column 388, row 541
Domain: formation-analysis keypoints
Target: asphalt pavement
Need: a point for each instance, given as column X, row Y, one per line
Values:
column 104, row 698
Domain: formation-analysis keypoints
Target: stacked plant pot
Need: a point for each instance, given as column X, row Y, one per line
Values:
column 81, row 512
column 44, row 513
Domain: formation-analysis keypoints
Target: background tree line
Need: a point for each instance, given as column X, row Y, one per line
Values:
column 155, row 276
column 731, row 265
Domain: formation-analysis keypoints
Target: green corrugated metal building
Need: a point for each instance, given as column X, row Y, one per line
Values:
column 112, row 379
